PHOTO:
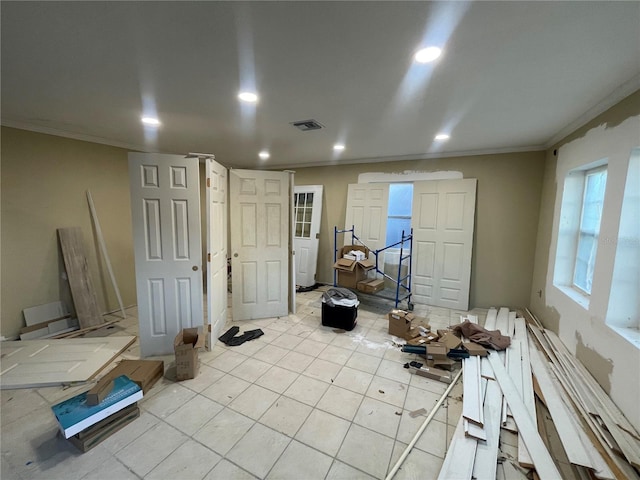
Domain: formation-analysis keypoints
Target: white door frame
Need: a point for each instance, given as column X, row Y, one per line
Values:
column 306, row 244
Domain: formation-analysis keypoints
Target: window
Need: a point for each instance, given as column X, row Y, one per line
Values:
column 579, row 229
column 623, row 314
column 303, row 205
column 399, row 212
column 593, row 199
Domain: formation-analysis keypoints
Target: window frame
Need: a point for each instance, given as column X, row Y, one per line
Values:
column 571, row 209
column 583, row 232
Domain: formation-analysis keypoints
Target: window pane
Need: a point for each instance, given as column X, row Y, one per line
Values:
column 593, row 200
column 309, row 200
column 298, row 229
column 395, row 226
column 307, row 215
column 306, row 232
column 400, row 200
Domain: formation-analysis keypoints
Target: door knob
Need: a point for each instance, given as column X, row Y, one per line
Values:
column 194, row 268
column 235, row 254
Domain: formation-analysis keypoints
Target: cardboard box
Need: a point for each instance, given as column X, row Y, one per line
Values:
column 475, row 349
column 400, row 324
column 371, row 285
column 438, row 351
column 350, row 271
column 186, row 346
column 143, row 372
column 450, row 340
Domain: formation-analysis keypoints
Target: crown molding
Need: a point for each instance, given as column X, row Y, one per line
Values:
column 616, row 96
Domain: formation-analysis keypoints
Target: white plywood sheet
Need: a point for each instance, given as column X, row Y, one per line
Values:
column 44, row 363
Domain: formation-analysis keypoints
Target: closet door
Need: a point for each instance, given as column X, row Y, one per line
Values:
column 165, row 209
column 260, row 240
column 443, row 223
column 367, row 205
column 216, row 248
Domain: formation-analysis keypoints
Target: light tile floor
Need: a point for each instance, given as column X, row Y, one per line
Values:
column 301, row 402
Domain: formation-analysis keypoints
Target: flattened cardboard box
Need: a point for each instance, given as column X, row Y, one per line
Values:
column 143, row 372
column 186, row 346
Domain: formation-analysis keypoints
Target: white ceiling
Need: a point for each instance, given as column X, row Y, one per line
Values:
column 513, row 75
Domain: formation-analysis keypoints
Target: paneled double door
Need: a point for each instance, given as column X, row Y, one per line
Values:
column 167, row 233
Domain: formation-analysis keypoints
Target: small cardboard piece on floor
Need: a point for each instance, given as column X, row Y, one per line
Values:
column 475, row 349
column 186, row 346
column 143, row 372
column 434, row 373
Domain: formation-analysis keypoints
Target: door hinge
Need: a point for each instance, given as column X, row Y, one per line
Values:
column 208, row 181
column 208, row 257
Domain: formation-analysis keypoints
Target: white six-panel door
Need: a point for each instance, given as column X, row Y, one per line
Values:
column 306, row 228
column 165, row 208
column 216, row 248
column 443, row 223
column 367, row 205
column 260, row 233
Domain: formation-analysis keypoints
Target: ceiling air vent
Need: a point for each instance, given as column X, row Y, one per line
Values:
column 306, row 125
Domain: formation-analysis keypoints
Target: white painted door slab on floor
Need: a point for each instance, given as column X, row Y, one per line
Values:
column 307, row 206
column 216, row 248
column 45, row 363
column 443, row 223
column 165, row 209
column 260, row 243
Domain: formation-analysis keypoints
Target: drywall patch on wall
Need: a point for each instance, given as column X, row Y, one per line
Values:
column 408, row 176
column 599, row 366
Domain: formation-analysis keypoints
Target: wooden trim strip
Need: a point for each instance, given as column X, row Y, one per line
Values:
column 543, row 462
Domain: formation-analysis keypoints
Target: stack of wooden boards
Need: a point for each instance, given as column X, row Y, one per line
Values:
column 596, row 439
column 91, row 417
column 46, row 321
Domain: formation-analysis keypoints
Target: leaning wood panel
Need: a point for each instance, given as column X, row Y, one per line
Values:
column 471, row 381
column 75, row 262
column 543, row 462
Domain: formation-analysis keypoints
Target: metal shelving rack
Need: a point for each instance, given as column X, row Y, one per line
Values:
column 402, row 283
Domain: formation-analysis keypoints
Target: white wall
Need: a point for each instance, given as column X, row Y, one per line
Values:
column 613, row 359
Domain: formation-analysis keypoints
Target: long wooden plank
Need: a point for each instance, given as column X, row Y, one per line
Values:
column 487, row 452
column 472, row 429
column 527, row 386
column 458, row 463
column 607, row 410
column 105, row 253
column 75, row 261
column 543, row 462
column 472, row 400
column 570, row 437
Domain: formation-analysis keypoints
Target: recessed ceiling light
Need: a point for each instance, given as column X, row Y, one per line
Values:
column 264, row 155
column 154, row 122
column 426, row 55
column 441, row 137
column 249, row 97
column 338, row 147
